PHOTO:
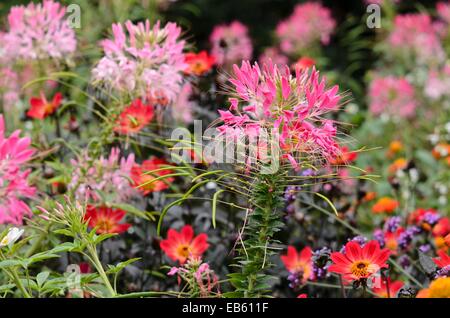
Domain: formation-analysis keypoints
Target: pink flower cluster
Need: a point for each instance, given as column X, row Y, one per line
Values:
column 14, row 152
column 438, row 83
column 39, row 31
column 415, row 36
column 309, row 24
column 231, row 43
column 146, row 63
column 103, row 178
column 270, row 99
column 393, row 96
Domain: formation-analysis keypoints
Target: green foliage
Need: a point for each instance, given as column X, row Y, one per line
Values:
column 256, row 248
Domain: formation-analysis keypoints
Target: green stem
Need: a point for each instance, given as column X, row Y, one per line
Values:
column 19, row 284
column 263, row 223
column 38, row 241
column 99, row 267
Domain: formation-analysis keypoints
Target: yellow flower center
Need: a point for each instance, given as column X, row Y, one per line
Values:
column 183, row 250
column 360, row 268
column 5, row 241
column 440, row 288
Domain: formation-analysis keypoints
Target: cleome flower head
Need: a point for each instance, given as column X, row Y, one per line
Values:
column 392, row 96
column 101, row 177
column 414, row 36
column 14, row 152
column 271, row 99
column 143, row 61
column 309, row 24
column 231, row 43
column 39, row 31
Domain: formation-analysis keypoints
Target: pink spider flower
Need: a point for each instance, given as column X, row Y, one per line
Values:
column 143, row 61
column 415, row 36
column 393, row 96
column 39, row 31
column 14, row 152
column 109, row 177
column 271, row 99
column 310, row 24
column 231, row 43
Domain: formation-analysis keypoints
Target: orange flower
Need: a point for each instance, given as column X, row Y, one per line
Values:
column 447, row 240
column 399, row 164
column 439, row 288
column 298, row 262
column 106, row 220
column 441, row 150
column 198, row 64
column 394, row 148
column 134, row 117
column 41, row 108
column 385, row 205
column 369, row 196
column 180, row 246
column 394, row 287
column 143, row 178
column 359, row 262
column 440, row 243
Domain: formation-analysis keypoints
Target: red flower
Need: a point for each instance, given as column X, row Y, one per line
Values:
column 391, row 239
column 443, row 260
column 447, row 240
column 179, row 246
column 298, row 262
column 417, row 217
column 304, row 63
column 106, row 220
column 134, row 117
column 344, row 157
column 385, row 205
column 394, row 287
column 302, row 296
column 198, row 64
column 41, row 108
column 442, row 227
column 359, row 262
column 144, row 180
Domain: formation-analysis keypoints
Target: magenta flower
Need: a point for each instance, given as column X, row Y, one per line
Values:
column 39, row 31
column 415, row 36
column 107, row 178
column 271, row 99
column 14, row 152
column 143, row 61
column 438, row 83
column 310, row 24
column 393, row 96
column 231, row 43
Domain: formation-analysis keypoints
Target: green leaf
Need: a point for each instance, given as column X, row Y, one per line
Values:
column 41, row 278
column 10, row 263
